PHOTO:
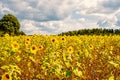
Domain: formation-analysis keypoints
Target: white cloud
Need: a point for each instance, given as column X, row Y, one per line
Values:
column 56, row 16
column 82, row 19
column 29, row 27
column 89, row 3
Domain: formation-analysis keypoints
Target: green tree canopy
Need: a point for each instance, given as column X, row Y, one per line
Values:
column 10, row 24
column 93, row 32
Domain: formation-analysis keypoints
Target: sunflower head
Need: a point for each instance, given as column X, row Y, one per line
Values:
column 27, row 39
column 33, row 49
column 91, row 46
column 6, row 36
column 6, row 76
column 70, row 49
column 63, row 39
column 53, row 40
column 40, row 47
column 15, row 46
column 27, row 43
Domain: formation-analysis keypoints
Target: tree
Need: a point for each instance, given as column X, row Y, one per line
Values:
column 10, row 24
column 21, row 33
column 7, row 27
column 93, row 31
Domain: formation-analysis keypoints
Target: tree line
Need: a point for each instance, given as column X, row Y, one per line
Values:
column 9, row 24
column 92, row 32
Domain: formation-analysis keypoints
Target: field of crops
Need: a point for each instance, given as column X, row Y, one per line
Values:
column 40, row 57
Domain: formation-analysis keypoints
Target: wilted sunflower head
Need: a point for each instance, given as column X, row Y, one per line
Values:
column 6, row 76
column 33, row 49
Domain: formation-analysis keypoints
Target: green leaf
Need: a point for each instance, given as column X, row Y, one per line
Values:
column 12, row 53
column 79, row 79
column 68, row 73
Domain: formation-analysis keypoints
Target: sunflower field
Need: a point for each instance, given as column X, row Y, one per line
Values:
column 51, row 57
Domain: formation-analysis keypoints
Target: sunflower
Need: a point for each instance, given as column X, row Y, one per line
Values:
column 27, row 39
column 54, row 40
column 6, row 76
column 63, row 39
column 15, row 46
column 70, row 49
column 33, row 49
column 7, row 36
column 40, row 47
column 91, row 47
column 27, row 43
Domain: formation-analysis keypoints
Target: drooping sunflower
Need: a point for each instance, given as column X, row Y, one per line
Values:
column 6, row 76
column 33, row 49
column 70, row 49
column 15, row 46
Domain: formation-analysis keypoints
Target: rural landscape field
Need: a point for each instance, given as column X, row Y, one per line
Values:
column 46, row 57
column 59, row 40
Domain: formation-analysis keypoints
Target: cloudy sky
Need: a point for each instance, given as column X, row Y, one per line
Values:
column 56, row 16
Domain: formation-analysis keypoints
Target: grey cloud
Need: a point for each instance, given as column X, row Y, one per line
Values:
column 15, row 5
column 106, row 23
column 112, row 4
column 103, row 23
column 118, row 23
column 44, row 10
